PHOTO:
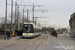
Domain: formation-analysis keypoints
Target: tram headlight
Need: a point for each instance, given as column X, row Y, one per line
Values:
column 23, row 34
column 31, row 34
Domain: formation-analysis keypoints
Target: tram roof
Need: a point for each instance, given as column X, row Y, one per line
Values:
column 37, row 26
column 28, row 23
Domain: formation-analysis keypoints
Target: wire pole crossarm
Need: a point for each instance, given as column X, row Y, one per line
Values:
column 34, row 11
column 32, row 8
column 43, row 10
column 28, row 5
column 41, row 17
column 44, row 21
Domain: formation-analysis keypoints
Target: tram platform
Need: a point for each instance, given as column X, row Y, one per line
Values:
column 12, row 38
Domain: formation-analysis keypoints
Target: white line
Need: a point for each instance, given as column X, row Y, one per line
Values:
column 61, row 44
column 48, row 37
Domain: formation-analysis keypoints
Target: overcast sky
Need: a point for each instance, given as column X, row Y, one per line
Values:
column 59, row 11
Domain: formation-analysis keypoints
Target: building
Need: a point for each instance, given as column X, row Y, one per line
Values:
column 72, row 25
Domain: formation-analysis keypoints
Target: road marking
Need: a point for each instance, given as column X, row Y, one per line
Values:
column 30, row 44
column 48, row 38
column 37, row 42
column 61, row 44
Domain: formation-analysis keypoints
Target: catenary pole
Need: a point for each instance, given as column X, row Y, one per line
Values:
column 15, row 14
column 32, row 9
column 27, row 15
column 18, row 18
column 11, row 16
column 23, row 17
column 5, row 21
column 33, row 13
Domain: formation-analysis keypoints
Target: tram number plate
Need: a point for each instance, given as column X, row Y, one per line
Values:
column 27, row 34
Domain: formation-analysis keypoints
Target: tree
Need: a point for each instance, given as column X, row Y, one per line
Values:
column 47, row 29
column 19, row 20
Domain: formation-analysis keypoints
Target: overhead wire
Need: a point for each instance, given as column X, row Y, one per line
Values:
column 40, row 8
column 20, row 3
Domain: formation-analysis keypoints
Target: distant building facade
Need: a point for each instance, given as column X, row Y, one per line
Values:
column 72, row 25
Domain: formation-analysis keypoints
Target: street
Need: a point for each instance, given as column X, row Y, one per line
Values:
column 50, row 23
column 43, row 42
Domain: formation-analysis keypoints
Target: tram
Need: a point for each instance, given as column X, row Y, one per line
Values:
column 31, row 30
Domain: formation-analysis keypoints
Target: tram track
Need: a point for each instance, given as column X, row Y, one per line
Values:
column 44, row 37
column 41, row 42
column 24, row 43
column 20, row 41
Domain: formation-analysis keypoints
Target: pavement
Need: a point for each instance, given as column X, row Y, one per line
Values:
column 71, row 38
column 49, row 43
column 11, row 41
column 1, row 37
column 67, row 41
column 67, row 36
column 17, row 37
column 13, row 38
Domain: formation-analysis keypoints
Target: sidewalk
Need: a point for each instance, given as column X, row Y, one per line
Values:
column 4, row 43
column 1, row 37
column 13, row 38
column 67, row 36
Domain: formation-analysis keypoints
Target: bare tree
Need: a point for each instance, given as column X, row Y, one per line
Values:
column 20, row 19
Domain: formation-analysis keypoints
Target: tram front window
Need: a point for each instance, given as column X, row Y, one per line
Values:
column 27, row 29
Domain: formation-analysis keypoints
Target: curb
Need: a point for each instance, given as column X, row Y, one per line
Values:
column 13, row 38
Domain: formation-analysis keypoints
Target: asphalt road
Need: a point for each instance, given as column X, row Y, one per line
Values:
column 43, row 42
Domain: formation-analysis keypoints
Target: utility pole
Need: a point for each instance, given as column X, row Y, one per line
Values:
column 23, row 17
column 32, row 8
column 27, row 15
column 33, row 12
column 18, row 18
column 26, row 5
column 5, row 21
column 15, row 13
column 11, row 16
